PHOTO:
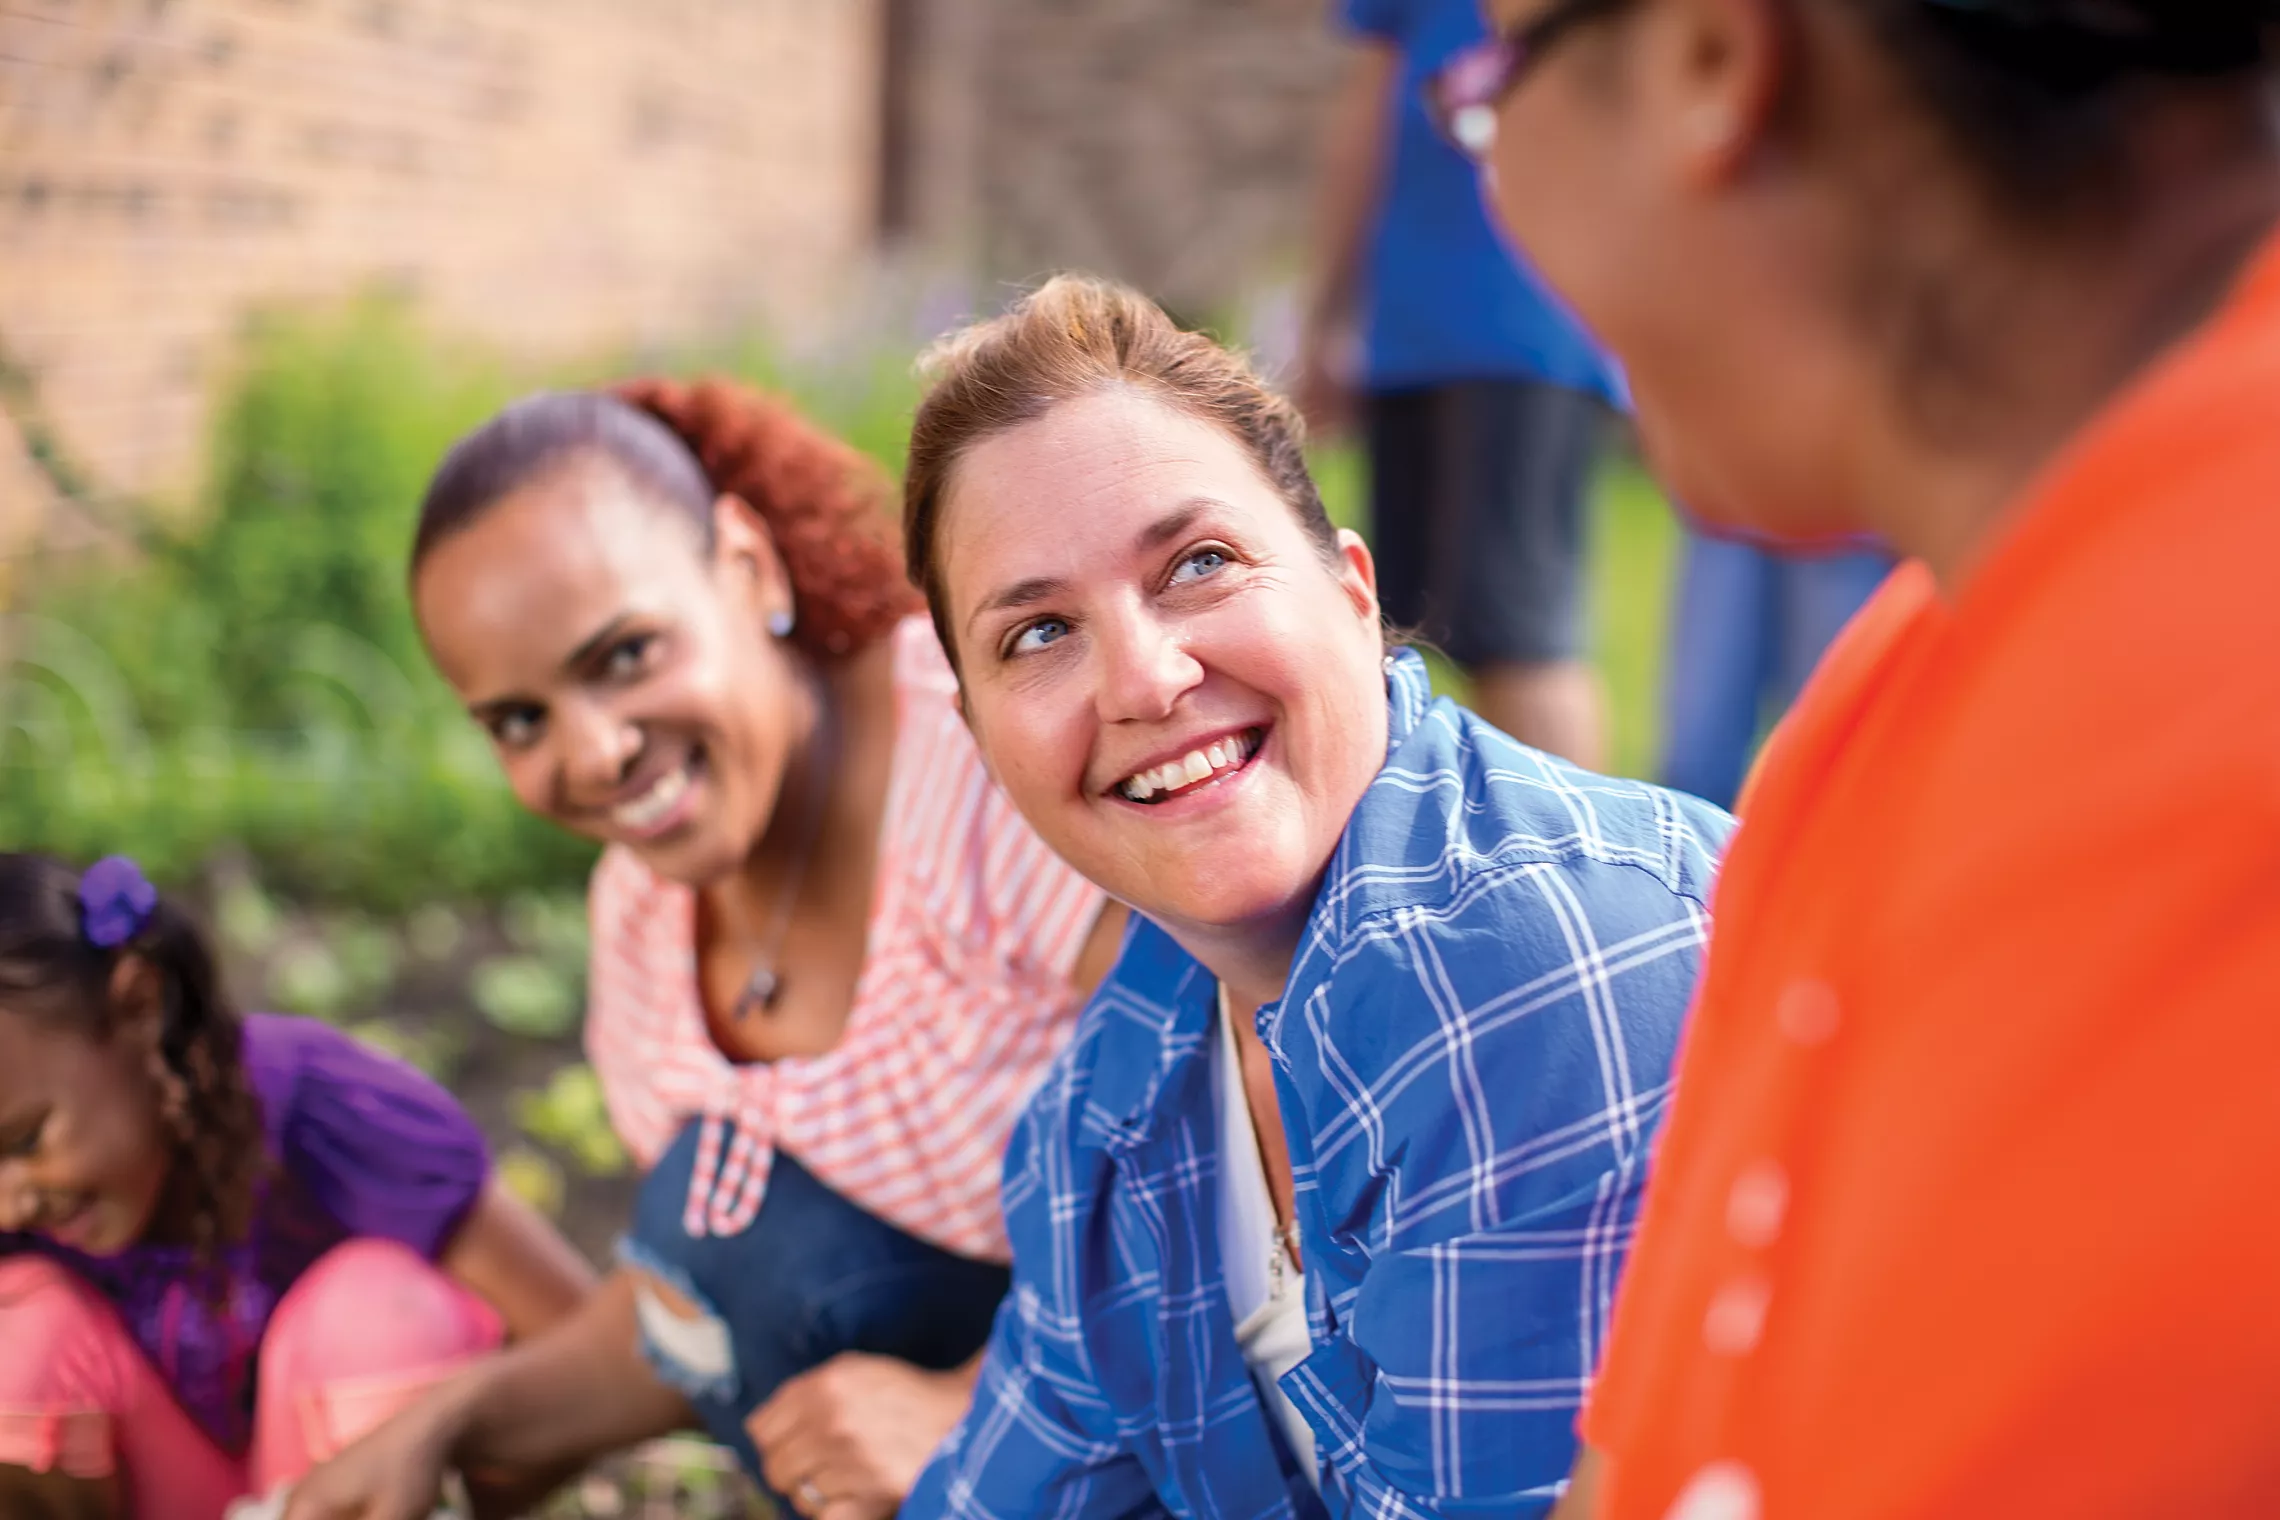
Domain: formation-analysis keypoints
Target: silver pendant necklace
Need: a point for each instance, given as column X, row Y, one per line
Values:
column 1282, row 1240
column 1281, row 1252
column 764, row 984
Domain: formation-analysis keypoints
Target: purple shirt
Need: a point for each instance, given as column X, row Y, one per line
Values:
column 365, row 1146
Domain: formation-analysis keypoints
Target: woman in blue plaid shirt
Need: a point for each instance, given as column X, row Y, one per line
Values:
column 1324, row 1208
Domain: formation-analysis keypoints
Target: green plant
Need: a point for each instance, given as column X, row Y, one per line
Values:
column 319, row 458
column 307, row 978
column 370, row 955
column 552, row 927
column 248, row 919
column 252, row 682
column 524, row 995
column 436, row 1048
column 568, row 1115
column 434, row 932
column 1634, row 559
column 531, row 1177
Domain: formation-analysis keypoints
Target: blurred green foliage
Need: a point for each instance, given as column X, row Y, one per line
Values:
column 252, row 682
column 524, row 995
column 435, row 1047
column 531, row 1176
column 252, row 679
column 568, row 1115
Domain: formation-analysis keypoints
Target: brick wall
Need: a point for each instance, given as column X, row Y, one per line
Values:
column 561, row 175
column 553, row 174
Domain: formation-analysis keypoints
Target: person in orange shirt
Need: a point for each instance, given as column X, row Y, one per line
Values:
column 1965, row 1207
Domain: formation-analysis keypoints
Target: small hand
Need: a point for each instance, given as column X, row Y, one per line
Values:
column 395, row 1473
column 847, row 1440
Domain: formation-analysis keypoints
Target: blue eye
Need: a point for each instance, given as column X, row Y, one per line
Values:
column 1037, row 635
column 1204, row 562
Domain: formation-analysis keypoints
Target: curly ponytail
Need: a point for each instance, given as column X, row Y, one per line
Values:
column 50, row 970
column 826, row 505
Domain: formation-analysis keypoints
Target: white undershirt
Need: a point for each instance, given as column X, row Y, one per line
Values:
column 1263, row 1286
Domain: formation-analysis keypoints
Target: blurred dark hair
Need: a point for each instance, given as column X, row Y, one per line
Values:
column 2038, row 95
column 825, row 504
column 49, row 971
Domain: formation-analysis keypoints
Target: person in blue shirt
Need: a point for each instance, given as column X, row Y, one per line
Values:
column 1482, row 402
column 1323, row 1209
column 1748, row 625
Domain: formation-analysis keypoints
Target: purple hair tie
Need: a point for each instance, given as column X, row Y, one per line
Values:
column 115, row 901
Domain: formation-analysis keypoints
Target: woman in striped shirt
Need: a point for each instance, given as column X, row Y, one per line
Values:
column 829, row 960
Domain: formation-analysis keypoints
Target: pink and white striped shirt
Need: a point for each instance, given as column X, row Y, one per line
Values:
column 963, row 1000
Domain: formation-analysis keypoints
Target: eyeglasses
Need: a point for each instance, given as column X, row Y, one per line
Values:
column 1464, row 94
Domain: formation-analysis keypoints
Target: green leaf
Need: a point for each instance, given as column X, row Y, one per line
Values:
column 434, row 932
column 307, row 978
column 525, row 996
column 369, row 956
column 553, row 926
column 532, row 1178
column 568, row 1114
column 247, row 918
column 435, row 1049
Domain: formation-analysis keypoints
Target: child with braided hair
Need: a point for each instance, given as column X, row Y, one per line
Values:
column 228, row 1245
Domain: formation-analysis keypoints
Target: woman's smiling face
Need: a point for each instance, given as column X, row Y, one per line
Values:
column 1180, row 689
column 623, row 674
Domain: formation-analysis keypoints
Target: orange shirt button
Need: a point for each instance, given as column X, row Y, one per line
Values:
column 1808, row 1013
column 1736, row 1317
column 1757, row 1204
column 1721, row 1491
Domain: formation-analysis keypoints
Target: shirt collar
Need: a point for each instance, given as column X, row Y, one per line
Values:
column 1408, row 692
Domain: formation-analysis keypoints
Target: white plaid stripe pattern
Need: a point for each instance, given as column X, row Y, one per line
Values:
column 962, row 1003
column 1472, row 1057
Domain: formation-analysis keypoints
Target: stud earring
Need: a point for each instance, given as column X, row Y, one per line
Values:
column 780, row 622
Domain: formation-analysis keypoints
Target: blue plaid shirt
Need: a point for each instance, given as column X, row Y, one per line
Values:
column 1472, row 1056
